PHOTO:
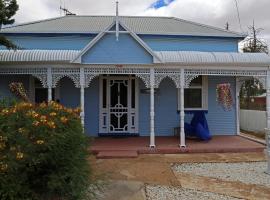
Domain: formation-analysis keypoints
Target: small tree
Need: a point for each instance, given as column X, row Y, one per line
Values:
column 252, row 44
column 8, row 9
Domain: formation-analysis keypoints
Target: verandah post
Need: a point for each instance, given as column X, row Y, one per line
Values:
column 267, row 132
column 182, row 110
column 82, row 86
column 152, row 108
column 49, row 83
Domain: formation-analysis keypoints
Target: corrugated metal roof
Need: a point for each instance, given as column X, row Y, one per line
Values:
column 213, row 58
column 139, row 25
column 37, row 55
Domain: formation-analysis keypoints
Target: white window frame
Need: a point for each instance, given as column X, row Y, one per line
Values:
column 204, row 88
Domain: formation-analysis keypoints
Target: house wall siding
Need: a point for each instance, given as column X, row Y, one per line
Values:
column 191, row 44
column 125, row 51
column 166, row 117
column 157, row 43
column 51, row 42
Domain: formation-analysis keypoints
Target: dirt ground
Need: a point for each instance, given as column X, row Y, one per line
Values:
column 156, row 170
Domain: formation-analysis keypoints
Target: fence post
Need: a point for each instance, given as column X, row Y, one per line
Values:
column 267, row 138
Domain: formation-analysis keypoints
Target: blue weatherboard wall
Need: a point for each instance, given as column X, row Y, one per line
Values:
column 220, row 121
column 70, row 97
column 51, row 42
column 126, row 51
column 92, row 108
column 170, row 43
column 157, row 43
column 166, row 118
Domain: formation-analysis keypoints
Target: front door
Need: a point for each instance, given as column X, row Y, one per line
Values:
column 118, row 105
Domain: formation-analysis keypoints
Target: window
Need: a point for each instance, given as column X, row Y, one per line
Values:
column 39, row 94
column 196, row 96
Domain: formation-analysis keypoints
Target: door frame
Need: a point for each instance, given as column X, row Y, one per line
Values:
column 104, row 108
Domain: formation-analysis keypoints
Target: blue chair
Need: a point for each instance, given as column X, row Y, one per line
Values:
column 198, row 127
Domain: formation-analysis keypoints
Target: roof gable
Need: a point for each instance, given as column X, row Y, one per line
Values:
column 131, row 44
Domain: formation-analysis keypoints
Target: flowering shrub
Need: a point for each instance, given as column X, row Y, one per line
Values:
column 43, row 153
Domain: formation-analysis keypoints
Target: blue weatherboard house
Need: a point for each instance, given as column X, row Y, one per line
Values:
column 140, row 76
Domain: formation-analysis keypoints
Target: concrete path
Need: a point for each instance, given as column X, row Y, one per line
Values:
column 124, row 190
column 156, row 170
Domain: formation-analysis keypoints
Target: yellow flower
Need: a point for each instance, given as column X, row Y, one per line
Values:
column 3, row 166
column 19, row 155
column 12, row 148
column 2, row 145
column 43, row 105
column 40, row 142
column 77, row 110
column 21, row 130
column 52, row 114
column 36, row 123
column 51, row 124
column 64, row 119
column 5, row 112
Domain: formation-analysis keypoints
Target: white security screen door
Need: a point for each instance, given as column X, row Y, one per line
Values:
column 118, row 105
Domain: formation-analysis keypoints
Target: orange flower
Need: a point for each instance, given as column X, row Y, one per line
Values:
column 64, row 119
column 43, row 105
column 2, row 145
column 51, row 124
column 5, row 112
column 3, row 166
column 36, row 123
column 19, row 155
column 52, row 114
column 40, row 142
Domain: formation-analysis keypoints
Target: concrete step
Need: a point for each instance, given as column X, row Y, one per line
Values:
column 117, row 154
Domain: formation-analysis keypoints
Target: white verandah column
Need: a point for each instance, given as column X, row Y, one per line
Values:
column 182, row 110
column 82, row 86
column 49, row 83
column 267, row 136
column 152, row 108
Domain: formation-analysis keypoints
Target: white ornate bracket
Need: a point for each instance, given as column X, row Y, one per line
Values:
column 59, row 73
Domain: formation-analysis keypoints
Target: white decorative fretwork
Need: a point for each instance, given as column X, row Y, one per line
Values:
column 42, row 78
column 39, row 73
column 59, row 73
column 173, row 74
column 142, row 73
column 189, row 78
column 225, row 72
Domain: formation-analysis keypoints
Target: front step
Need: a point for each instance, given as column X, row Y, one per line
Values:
column 117, row 154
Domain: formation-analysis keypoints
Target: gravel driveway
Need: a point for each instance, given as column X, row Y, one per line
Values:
column 246, row 172
column 178, row 193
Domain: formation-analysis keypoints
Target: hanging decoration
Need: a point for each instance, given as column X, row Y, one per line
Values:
column 224, row 96
column 19, row 91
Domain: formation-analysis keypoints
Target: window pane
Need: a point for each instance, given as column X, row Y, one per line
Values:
column 104, row 100
column 197, row 81
column 193, row 98
column 133, row 93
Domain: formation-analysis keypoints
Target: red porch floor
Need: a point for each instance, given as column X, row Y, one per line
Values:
column 169, row 145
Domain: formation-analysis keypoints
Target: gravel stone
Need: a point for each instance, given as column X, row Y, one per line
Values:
column 178, row 193
column 246, row 172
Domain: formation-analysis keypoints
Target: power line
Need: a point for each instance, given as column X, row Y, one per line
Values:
column 238, row 15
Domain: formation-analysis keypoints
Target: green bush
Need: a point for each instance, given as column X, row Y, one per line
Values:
column 43, row 153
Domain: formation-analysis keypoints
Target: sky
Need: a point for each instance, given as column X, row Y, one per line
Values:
column 211, row 12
